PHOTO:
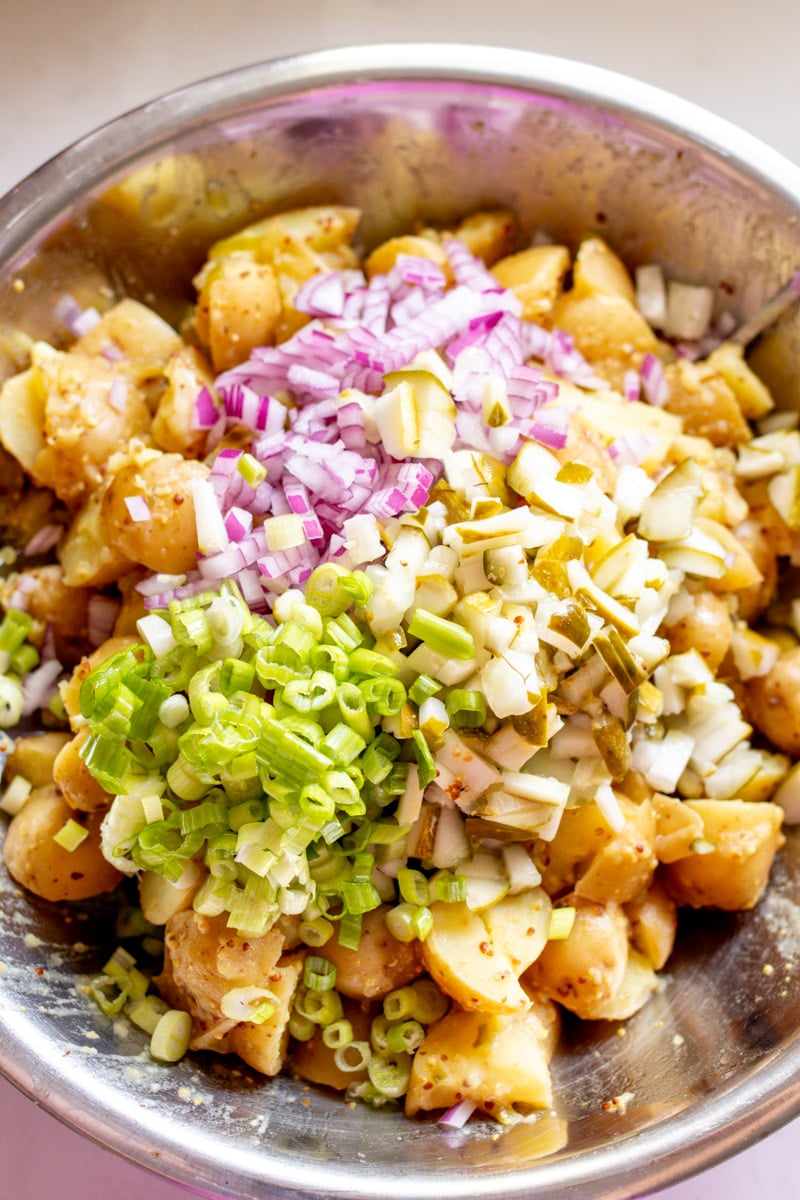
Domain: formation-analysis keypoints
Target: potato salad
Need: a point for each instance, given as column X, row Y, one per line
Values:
column 403, row 643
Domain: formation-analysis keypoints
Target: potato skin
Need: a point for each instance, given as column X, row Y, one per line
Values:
column 585, row 969
column 379, row 965
column 773, row 702
column 733, row 877
column 167, row 540
column 43, row 866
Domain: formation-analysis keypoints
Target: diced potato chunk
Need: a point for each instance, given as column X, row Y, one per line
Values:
column 535, row 276
column 488, row 235
column 751, row 394
column 46, row 868
column 85, row 553
column 239, row 308
column 608, row 330
column 498, row 1061
column 323, row 227
column 705, row 402
column 83, row 422
column 195, row 948
column 638, row 984
column 589, row 857
column 379, row 965
column 654, row 922
column 33, row 757
column 75, row 781
column 264, row 1046
column 166, row 539
column 707, row 626
column 518, row 926
column 22, row 404
column 677, row 826
column 461, row 957
column 598, row 269
column 585, row 969
column 64, row 609
column 734, row 875
column 186, row 373
column 314, row 1061
column 773, row 702
column 384, row 257
column 134, row 330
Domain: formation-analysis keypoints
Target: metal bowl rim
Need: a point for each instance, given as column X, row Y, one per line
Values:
column 744, row 1111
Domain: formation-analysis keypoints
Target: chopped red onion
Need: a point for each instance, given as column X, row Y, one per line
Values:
column 322, row 295
column 186, row 591
column 112, row 353
column 307, row 383
column 138, row 508
column 654, row 382
column 413, row 268
column 39, row 685
column 467, row 268
column 206, row 413
column 43, row 540
column 457, row 1116
column 154, row 584
column 67, row 310
column 102, row 614
column 403, row 487
column 85, row 321
column 631, row 385
column 77, row 320
column 550, row 426
column 238, row 523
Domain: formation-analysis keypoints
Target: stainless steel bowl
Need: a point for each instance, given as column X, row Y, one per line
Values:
column 410, row 133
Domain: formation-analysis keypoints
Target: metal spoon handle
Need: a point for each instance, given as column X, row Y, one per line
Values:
column 770, row 310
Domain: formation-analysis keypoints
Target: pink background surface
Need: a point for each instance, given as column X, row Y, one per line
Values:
column 64, row 69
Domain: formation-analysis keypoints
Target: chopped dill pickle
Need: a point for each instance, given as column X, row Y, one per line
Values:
column 507, row 564
column 611, row 741
column 626, row 669
column 575, row 472
column 486, row 506
column 550, row 565
column 457, row 507
column 571, row 622
column 492, row 474
column 479, row 829
column 532, row 726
